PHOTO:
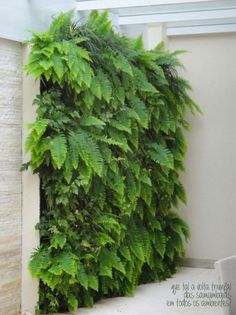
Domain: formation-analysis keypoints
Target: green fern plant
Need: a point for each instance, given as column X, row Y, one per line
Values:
column 108, row 146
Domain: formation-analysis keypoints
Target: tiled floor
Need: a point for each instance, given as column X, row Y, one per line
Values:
column 151, row 299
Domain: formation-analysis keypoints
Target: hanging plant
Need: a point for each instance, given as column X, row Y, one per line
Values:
column 108, row 146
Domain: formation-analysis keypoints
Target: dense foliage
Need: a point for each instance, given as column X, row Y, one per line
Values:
column 108, row 146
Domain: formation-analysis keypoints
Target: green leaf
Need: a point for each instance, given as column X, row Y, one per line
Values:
column 29, row 143
column 178, row 243
column 109, row 260
column 73, row 151
column 116, row 183
column 180, row 192
column 108, row 222
column 131, row 187
column 178, row 225
column 82, row 277
column 170, row 249
column 58, row 66
column 92, row 121
column 125, row 252
column 93, row 282
column 58, row 241
column 39, row 260
column 82, row 53
column 96, row 88
column 144, row 178
column 88, row 150
column 67, row 262
column 160, row 243
column 56, row 270
column 116, row 139
column 146, row 194
column 105, row 271
column 38, row 128
column 137, row 249
column 140, row 109
column 121, row 63
column 60, row 25
column 106, row 88
column 120, row 126
column 58, row 150
column 136, row 241
column 120, row 94
column 142, row 83
column 88, row 98
column 73, row 302
column 103, row 239
column 49, row 279
column 46, row 64
column 161, row 155
column 146, row 86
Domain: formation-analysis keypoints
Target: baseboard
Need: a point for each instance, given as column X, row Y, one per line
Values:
column 198, row 263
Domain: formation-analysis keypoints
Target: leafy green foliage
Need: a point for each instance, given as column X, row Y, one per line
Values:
column 108, row 146
column 58, row 151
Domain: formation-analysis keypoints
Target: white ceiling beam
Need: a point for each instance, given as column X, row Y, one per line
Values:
column 177, row 17
column 118, row 4
column 181, row 17
column 201, row 29
column 201, row 22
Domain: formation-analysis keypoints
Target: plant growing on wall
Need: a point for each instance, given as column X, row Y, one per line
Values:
column 108, row 146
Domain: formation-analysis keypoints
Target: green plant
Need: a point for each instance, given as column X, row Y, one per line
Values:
column 108, row 146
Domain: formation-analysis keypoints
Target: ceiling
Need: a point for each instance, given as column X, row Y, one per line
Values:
column 180, row 17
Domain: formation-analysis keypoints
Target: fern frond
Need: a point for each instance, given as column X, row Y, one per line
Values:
column 106, row 87
column 103, row 239
column 40, row 260
column 140, row 109
column 91, row 121
column 88, row 150
column 161, row 155
column 109, row 260
column 108, row 223
column 122, row 64
column 96, row 88
column 82, row 277
column 58, row 148
column 61, row 26
column 38, row 128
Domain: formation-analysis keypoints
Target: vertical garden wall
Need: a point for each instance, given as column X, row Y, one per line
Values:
column 108, row 146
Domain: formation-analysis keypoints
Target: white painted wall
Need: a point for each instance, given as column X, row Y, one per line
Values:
column 30, row 197
column 210, row 178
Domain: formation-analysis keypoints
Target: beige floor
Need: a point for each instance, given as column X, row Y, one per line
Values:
column 151, row 299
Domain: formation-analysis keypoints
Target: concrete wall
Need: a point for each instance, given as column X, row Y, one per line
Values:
column 10, row 177
column 210, row 178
